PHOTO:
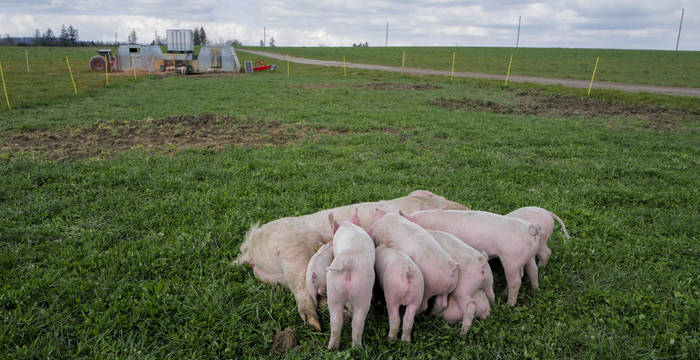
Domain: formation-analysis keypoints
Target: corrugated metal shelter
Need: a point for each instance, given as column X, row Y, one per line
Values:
column 140, row 57
column 217, row 58
column 180, row 41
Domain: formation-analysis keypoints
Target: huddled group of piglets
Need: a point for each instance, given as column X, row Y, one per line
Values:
column 419, row 246
column 428, row 253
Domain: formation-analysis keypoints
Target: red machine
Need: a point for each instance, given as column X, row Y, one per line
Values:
column 261, row 66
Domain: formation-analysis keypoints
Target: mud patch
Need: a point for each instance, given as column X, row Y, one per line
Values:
column 529, row 103
column 284, row 341
column 169, row 135
column 372, row 85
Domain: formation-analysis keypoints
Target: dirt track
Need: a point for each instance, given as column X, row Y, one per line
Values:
column 665, row 90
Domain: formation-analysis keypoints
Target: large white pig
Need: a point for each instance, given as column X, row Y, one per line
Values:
column 474, row 274
column 453, row 314
column 350, row 278
column 513, row 241
column 440, row 271
column 279, row 251
column 316, row 271
column 545, row 220
column 402, row 283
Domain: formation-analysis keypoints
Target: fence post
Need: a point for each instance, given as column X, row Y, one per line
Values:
column 452, row 75
column 106, row 72
column 345, row 73
column 26, row 54
column 133, row 68
column 71, row 76
column 403, row 60
column 7, row 99
column 508, row 74
column 593, row 77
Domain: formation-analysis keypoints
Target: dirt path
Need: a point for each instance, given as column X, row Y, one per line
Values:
column 665, row 90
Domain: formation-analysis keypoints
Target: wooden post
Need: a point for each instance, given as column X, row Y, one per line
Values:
column 345, row 73
column 133, row 68
column 71, row 76
column 26, row 54
column 452, row 75
column 403, row 60
column 106, row 73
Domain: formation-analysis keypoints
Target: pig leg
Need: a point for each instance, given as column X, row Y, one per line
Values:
column 408, row 316
column 513, row 279
column 467, row 316
column 394, row 319
column 359, row 314
column 296, row 281
column 423, row 306
column 543, row 255
column 335, row 308
column 487, row 285
column 439, row 304
column 531, row 270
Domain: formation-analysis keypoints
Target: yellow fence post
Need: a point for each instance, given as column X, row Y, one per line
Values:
column 593, row 77
column 452, row 75
column 7, row 99
column 133, row 68
column 173, row 62
column 287, row 65
column 71, row 76
column 508, row 74
column 150, row 66
column 106, row 73
column 345, row 73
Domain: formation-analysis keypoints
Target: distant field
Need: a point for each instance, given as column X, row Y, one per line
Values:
column 122, row 208
column 630, row 66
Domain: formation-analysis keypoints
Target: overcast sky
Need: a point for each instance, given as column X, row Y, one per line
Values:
column 623, row 24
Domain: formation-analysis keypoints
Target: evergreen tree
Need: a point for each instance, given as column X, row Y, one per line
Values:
column 262, row 43
column 197, row 39
column 48, row 38
column 272, row 41
column 63, row 38
column 132, row 37
column 37, row 35
column 202, row 36
column 72, row 34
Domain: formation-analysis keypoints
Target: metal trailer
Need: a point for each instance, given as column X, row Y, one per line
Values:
column 217, row 59
column 140, row 57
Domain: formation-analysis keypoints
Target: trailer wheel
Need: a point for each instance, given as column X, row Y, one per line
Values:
column 97, row 63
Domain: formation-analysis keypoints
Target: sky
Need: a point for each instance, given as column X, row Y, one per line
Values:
column 620, row 24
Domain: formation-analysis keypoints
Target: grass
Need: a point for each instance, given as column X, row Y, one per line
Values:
column 629, row 66
column 129, row 255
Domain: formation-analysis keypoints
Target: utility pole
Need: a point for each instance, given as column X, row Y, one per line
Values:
column 679, row 29
column 517, row 39
column 386, row 40
column 115, row 38
column 264, row 35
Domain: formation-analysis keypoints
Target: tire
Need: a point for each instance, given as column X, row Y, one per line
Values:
column 97, row 63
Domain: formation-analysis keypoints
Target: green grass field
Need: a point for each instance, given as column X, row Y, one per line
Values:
column 127, row 255
column 630, row 66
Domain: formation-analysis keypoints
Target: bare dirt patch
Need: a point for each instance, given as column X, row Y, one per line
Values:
column 169, row 134
column 371, row 85
column 284, row 341
column 529, row 103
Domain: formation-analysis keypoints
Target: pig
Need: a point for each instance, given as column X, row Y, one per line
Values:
column 279, row 251
column 402, row 283
column 453, row 314
column 513, row 241
column 350, row 278
column 440, row 271
column 316, row 271
column 543, row 218
column 474, row 274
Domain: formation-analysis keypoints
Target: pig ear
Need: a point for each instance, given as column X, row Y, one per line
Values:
column 379, row 213
column 355, row 218
column 443, row 206
column 333, row 223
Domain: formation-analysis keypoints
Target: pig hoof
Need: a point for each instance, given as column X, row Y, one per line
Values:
column 313, row 322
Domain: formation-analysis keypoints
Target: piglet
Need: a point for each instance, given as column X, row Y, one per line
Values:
column 350, row 278
column 440, row 271
column 513, row 241
column 545, row 220
column 402, row 282
column 316, row 271
column 474, row 274
column 453, row 314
